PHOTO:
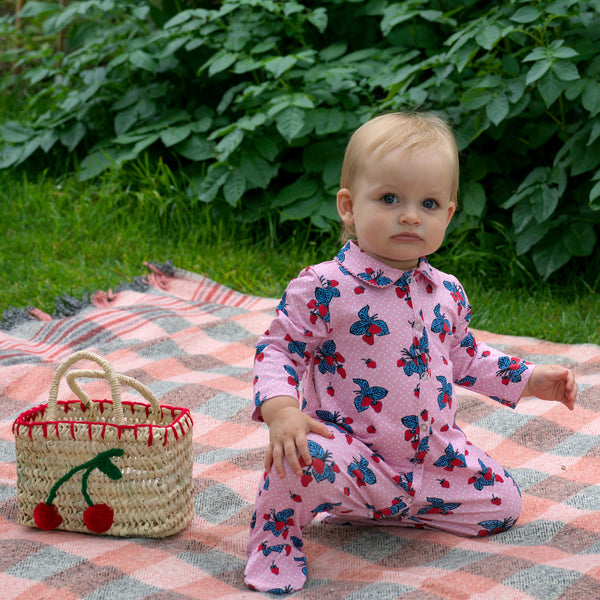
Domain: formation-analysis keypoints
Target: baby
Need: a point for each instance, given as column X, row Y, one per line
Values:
column 355, row 376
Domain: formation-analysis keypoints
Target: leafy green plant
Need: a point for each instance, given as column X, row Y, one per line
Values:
column 253, row 101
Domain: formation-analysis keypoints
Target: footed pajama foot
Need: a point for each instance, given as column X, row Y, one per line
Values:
column 279, row 569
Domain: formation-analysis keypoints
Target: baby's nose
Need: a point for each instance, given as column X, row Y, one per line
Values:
column 409, row 216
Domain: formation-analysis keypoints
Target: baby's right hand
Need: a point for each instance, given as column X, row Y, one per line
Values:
column 288, row 428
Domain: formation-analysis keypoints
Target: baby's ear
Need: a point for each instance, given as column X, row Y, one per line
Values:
column 451, row 210
column 345, row 206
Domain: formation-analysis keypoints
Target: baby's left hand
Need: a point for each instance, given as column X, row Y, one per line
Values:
column 552, row 382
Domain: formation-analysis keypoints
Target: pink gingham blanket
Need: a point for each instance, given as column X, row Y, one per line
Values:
column 191, row 341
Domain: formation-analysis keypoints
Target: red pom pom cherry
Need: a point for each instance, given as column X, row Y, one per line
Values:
column 46, row 516
column 98, row 518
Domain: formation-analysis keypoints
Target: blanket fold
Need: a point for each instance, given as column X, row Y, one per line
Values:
column 192, row 342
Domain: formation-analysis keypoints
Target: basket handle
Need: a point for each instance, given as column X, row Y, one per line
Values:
column 74, row 374
column 108, row 369
column 107, row 373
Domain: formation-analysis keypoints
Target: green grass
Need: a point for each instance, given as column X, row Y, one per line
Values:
column 70, row 238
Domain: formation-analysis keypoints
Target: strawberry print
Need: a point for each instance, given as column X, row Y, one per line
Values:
column 415, row 360
column 438, row 506
column 440, row 324
column 402, row 288
column 445, row 393
column 457, row 294
column 369, row 326
column 495, row 526
column 375, row 277
column 510, row 369
column 319, row 305
column 451, row 459
column 328, row 360
column 278, row 523
column 359, row 469
column 367, row 397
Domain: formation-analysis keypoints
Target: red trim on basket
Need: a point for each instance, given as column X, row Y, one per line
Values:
column 33, row 417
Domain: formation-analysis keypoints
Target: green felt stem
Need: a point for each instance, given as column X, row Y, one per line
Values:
column 98, row 461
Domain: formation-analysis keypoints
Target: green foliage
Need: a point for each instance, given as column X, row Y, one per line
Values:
column 70, row 237
column 253, row 101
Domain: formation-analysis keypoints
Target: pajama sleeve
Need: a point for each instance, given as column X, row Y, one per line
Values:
column 285, row 350
column 484, row 369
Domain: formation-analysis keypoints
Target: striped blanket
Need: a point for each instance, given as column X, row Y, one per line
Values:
column 191, row 341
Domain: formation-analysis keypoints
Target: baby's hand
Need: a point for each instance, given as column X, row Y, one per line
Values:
column 552, row 382
column 288, row 427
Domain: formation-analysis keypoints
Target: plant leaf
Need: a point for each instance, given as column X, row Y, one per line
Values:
column 526, row 14
column 300, row 189
column 234, row 187
column 280, row 64
column 537, row 70
column 497, row 109
column 550, row 88
column 580, row 238
column 550, row 258
column 473, row 198
column 142, row 60
column 15, row 133
column 290, row 122
column 195, row 148
column 565, row 70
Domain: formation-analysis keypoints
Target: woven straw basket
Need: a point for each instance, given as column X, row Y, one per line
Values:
column 104, row 466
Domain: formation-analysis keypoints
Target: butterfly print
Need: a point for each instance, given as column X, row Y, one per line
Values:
column 445, row 393
column 375, row 277
column 438, row 506
column 485, row 477
column 511, row 369
column 369, row 326
column 450, row 459
column 278, row 523
column 415, row 360
column 457, row 294
column 367, row 396
column 494, row 526
column 319, row 305
column 359, row 469
column 440, row 324
column 328, row 360
column 402, row 288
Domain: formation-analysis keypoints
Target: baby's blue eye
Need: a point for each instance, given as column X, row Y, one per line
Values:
column 429, row 203
column 389, row 199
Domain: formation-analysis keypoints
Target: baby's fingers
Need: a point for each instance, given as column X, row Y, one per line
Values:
column 301, row 447
column 570, row 391
column 278, row 453
column 320, row 428
column 268, row 459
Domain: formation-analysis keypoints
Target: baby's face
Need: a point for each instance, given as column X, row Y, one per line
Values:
column 401, row 204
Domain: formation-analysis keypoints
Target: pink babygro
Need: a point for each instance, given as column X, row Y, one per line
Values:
column 375, row 353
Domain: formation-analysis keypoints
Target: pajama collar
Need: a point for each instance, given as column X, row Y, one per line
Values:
column 354, row 261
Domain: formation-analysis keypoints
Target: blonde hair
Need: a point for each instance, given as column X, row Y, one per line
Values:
column 393, row 131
